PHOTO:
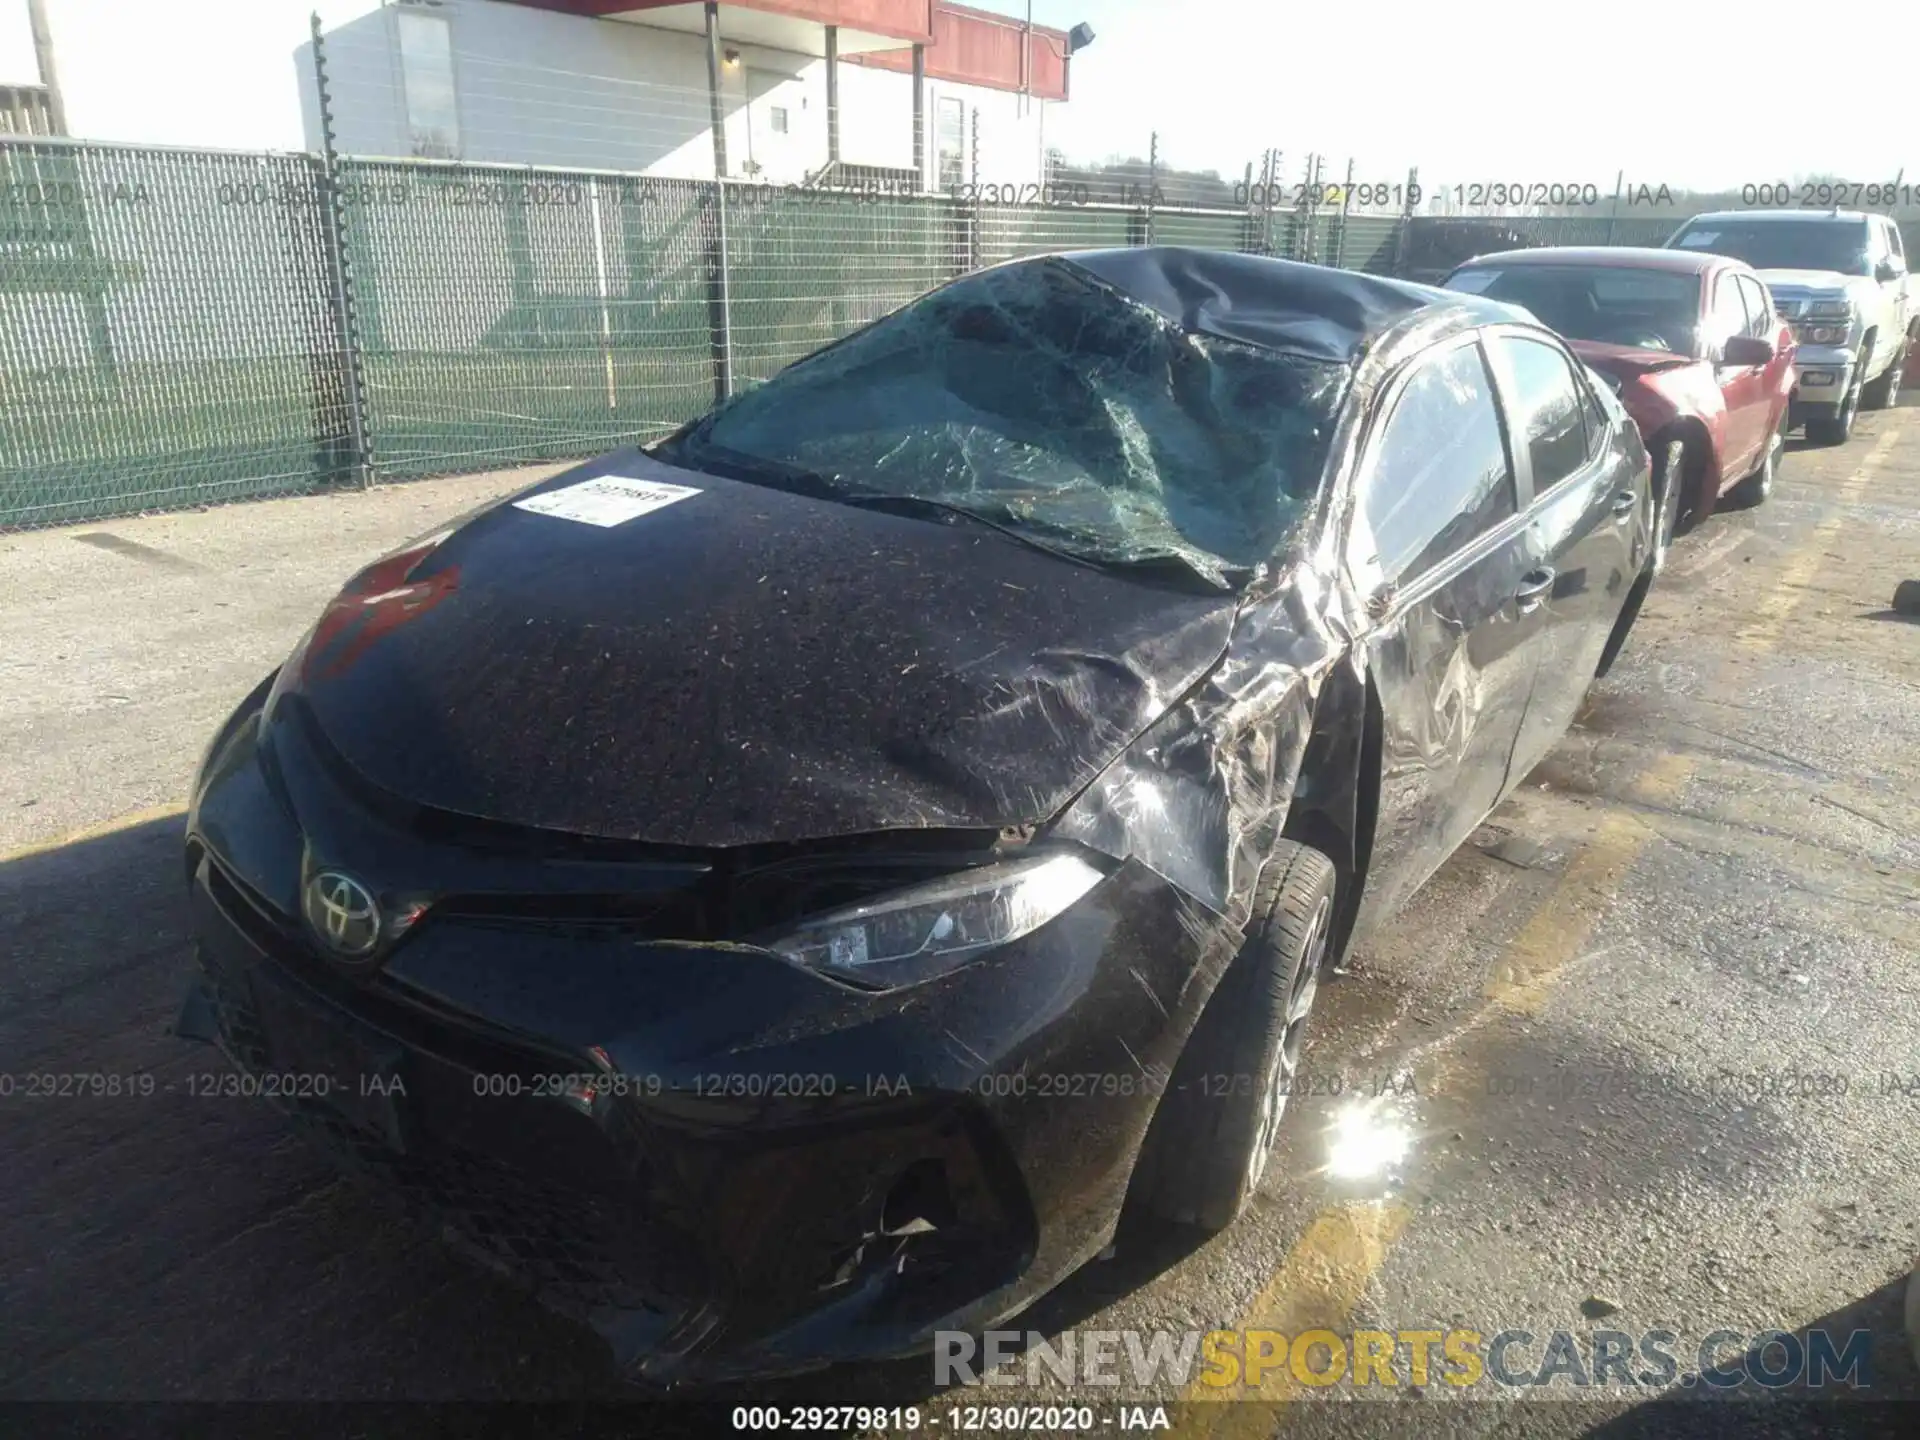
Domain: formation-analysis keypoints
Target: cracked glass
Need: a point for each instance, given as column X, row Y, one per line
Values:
column 1049, row 404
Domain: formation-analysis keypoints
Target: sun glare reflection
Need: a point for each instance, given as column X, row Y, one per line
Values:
column 1367, row 1139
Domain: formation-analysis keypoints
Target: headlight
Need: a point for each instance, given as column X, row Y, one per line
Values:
column 917, row 933
column 1824, row 334
column 1830, row 310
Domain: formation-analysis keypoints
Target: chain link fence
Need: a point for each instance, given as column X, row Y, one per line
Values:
column 161, row 342
column 172, row 331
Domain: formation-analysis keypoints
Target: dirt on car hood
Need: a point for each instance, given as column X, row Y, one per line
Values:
column 740, row 664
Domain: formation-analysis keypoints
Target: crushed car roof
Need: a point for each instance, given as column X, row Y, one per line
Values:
column 1310, row 310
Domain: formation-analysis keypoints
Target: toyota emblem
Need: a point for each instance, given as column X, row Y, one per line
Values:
column 343, row 914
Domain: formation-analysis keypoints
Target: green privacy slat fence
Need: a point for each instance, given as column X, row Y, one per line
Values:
column 1367, row 243
column 166, row 331
column 1007, row 232
column 523, row 315
column 1215, row 230
column 1433, row 244
column 806, row 268
column 172, row 332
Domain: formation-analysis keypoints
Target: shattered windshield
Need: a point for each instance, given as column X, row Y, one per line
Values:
column 1044, row 402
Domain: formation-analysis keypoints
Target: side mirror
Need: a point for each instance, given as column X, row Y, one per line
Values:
column 1886, row 270
column 1746, row 350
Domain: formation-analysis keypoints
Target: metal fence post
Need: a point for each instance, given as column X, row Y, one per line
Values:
column 967, row 211
column 1276, row 158
column 1403, row 232
column 719, row 288
column 1303, row 240
column 1340, row 234
column 600, row 278
column 333, row 224
column 1246, row 221
column 1153, row 180
column 1257, row 201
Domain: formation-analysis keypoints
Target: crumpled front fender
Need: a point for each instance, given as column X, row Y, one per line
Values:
column 1202, row 795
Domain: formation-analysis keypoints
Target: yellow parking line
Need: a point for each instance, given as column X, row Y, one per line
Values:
column 1558, row 930
column 1771, row 612
column 1323, row 1277
column 1317, row 1286
column 1325, row 1274
column 95, row 832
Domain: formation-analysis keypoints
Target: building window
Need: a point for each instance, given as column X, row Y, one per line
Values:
column 426, row 67
column 779, row 119
column 950, row 143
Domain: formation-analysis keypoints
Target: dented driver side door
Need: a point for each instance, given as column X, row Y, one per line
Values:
column 1440, row 550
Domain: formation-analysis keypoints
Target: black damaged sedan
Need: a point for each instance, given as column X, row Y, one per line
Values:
column 781, row 892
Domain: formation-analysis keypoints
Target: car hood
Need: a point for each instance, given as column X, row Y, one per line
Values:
column 1806, row 279
column 743, row 665
column 1626, row 361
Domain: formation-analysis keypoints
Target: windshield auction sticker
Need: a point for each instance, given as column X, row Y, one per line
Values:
column 606, row 500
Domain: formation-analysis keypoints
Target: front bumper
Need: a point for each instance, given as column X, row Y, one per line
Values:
column 728, row 1166
column 1822, row 377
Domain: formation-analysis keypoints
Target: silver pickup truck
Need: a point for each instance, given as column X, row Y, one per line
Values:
column 1839, row 277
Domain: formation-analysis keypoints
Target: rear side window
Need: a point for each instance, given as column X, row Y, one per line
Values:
column 1890, row 247
column 1546, row 410
column 1594, row 413
column 1441, row 476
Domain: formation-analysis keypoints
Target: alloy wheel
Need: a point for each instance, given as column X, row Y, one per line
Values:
column 1763, row 482
column 1849, row 408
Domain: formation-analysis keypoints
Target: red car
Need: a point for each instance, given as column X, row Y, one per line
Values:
column 1690, row 343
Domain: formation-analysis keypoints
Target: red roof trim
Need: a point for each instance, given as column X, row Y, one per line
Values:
column 910, row 20
column 982, row 47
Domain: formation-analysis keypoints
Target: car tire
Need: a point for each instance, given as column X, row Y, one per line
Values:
column 1623, row 623
column 1884, row 393
column 1913, row 1314
column 1837, row 429
column 1669, row 474
column 1207, row 1147
column 1755, row 489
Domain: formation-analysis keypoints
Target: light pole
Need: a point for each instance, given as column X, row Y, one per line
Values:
column 43, row 56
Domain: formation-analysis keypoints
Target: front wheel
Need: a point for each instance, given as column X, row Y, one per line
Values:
column 1884, row 393
column 1208, row 1145
column 1669, row 473
column 1837, row 428
column 1759, row 485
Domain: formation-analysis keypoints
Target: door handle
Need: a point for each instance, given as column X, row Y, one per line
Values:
column 1532, row 593
column 1624, row 504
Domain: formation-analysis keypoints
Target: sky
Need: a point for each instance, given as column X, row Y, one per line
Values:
column 1478, row 90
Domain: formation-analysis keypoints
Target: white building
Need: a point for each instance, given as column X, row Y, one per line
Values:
column 823, row 91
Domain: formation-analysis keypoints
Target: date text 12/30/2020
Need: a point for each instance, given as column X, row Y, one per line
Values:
column 958, row 1419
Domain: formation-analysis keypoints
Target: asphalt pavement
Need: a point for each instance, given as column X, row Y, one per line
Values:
column 1642, row 1056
